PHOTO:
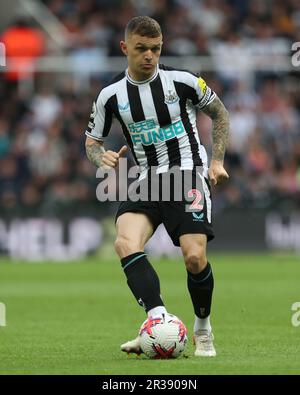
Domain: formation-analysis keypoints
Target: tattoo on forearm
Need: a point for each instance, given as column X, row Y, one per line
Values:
column 220, row 118
column 94, row 153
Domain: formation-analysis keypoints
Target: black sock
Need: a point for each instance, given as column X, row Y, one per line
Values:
column 143, row 280
column 201, row 287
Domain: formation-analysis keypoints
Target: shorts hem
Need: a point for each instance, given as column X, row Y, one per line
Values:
column 141, row 211
column 210, row 236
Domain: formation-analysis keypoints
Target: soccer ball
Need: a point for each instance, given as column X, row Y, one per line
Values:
column 163, row 337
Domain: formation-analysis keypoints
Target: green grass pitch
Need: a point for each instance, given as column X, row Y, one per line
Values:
column 71, row 318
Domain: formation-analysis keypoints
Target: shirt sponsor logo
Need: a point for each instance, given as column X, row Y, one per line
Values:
column 148, row 132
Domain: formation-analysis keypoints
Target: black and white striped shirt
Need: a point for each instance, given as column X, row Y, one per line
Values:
column 158, row 117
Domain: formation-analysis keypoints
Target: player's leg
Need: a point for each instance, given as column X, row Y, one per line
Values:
column 200, row 285
column 133, row 231
column 189, row 226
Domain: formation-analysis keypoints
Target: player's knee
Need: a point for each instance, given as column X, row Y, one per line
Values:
column 125, row 246
column 195, row 261
column 122, row 246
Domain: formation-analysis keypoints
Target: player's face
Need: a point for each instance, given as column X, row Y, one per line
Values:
column 142, row 55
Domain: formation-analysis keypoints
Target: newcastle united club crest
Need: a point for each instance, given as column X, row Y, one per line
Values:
column 171, row 97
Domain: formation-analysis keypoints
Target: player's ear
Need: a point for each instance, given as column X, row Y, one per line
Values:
column 123, row 47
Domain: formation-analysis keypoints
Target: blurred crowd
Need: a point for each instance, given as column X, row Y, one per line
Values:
column 43, row 166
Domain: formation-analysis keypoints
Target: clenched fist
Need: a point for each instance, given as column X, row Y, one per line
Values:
column 216, row 172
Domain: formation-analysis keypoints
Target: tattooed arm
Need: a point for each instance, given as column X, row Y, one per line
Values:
column 97, row 155
column 220, row 119
column 94, row 151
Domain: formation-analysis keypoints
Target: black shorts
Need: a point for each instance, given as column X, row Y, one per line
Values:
column 191, row 214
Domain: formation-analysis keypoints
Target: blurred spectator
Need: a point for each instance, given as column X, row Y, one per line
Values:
column 46, row 107
column 209, row 15
column 4, row 138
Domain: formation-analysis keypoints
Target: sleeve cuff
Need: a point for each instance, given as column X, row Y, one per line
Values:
column 93, row 137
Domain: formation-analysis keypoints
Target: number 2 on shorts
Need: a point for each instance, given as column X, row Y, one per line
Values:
column 198, row 196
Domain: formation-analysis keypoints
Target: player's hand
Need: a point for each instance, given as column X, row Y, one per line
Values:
column 110, row 159
column 216, row 172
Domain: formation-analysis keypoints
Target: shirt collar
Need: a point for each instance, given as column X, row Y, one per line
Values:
column 134, row 82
